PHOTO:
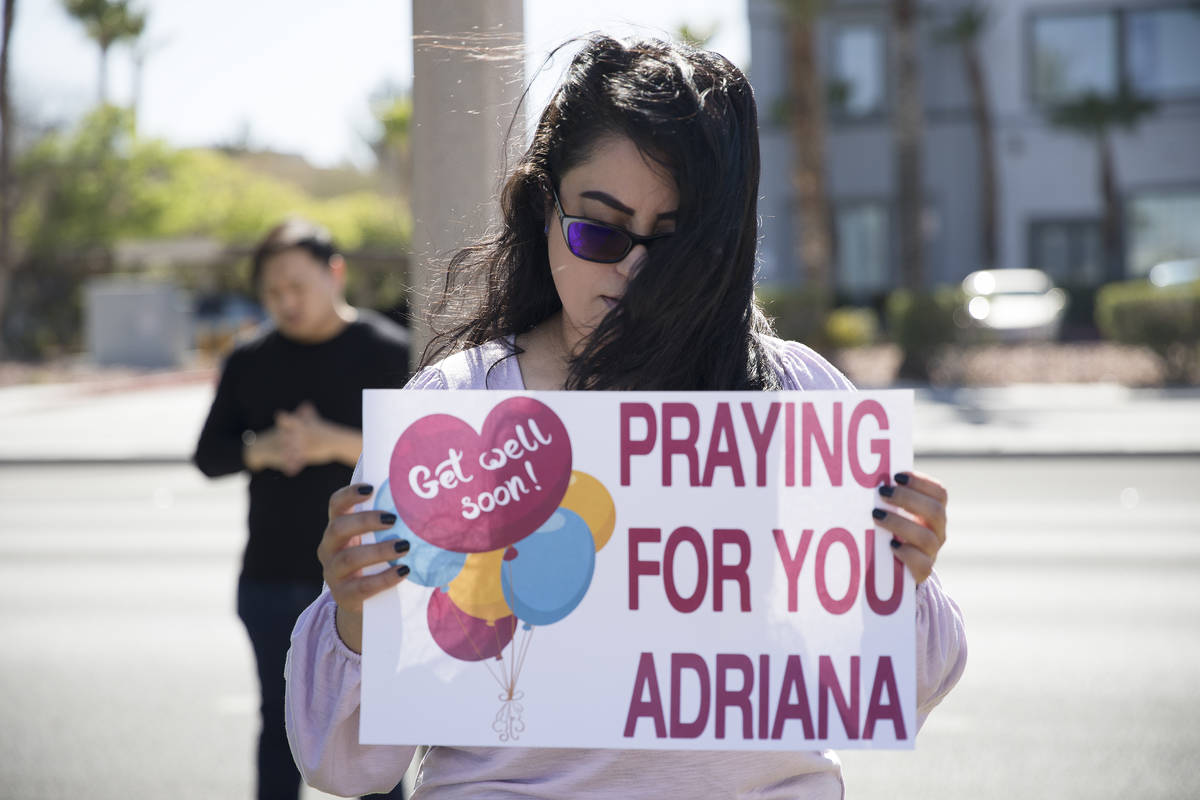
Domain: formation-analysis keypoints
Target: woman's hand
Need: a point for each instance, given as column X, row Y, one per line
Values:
column 919, row 527
column 344, row 558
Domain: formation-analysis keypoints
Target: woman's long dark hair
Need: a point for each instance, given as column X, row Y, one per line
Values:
column 688, row 319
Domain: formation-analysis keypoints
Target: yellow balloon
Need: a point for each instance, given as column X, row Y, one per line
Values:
column 588, row 498
column 477, row 589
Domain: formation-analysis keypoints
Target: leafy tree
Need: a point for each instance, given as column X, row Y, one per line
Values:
column 81, row 192
column 88, row 189
column 1095, row 115
column 696, row 37
column 392, row 143
column 107, row 22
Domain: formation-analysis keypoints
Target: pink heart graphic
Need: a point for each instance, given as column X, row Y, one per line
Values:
column 474, row 492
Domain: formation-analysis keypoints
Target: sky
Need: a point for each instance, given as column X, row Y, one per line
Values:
column 293, row 75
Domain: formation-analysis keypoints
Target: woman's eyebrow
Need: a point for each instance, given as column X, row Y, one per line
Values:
column 617, row 205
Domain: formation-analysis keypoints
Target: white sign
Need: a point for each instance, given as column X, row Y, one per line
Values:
column 671, row 570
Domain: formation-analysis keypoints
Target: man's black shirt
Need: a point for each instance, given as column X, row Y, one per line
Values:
column 273, row 373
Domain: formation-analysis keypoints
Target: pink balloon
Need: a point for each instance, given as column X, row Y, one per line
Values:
column 474, row 492
column 465, row 637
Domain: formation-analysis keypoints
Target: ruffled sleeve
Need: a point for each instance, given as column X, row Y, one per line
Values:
column 324, row 682
column 941, row 646
column 801, row 367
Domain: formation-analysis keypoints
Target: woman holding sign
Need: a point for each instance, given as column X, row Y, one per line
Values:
column 625, row 260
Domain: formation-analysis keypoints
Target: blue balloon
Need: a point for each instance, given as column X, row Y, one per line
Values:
column 429, row 564
column 551, row 571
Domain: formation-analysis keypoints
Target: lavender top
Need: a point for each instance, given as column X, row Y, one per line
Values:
column 324, row 677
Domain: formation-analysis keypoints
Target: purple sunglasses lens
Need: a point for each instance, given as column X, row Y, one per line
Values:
column 595, row 243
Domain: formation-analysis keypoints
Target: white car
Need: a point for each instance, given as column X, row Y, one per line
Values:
column 1015, row 305
column 1174, row 273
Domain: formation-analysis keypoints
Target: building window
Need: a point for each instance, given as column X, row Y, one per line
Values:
column 1151, row 51
column 1162, row 226
column 1071, row 251
column 1074, row 55
column 857, row 85
column 1163, row 51
column 863, row 239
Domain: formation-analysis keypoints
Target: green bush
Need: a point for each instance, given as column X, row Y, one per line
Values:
column 922, row 324
column 799, row 312
column 1167, row 320
column 852, row 327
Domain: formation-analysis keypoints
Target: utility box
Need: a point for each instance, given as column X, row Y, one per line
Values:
column 137, row 323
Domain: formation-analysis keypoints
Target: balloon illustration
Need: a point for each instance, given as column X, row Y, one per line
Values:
column 588, row 498
column 465, row 637
column 501, row 527
column 429, row 564
column 551, row 571
column 477, row 589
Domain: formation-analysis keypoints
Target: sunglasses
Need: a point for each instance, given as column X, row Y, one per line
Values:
column 597, row 241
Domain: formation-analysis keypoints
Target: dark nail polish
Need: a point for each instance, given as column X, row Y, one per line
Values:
column 387, row 518
column 402, row 570
column 878, row 513
column 901, row 478
column 401, row 546
column 887, row 491
column 365, row 489
column 895, row 543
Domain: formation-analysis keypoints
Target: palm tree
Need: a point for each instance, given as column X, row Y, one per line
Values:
column 806, row 107
column 908, row 126
column 7, row 195
column 964, row 31
column 107, row 22
column 1095, row 115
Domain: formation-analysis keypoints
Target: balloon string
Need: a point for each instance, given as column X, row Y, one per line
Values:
column 467, row 636
column 517, row 667
column 523, row 649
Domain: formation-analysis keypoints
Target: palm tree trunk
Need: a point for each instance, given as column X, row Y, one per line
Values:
column 102, row 93
column 808, row 135
column 908, row 126
column 7, row 193
column 982, row 112
column 1113, row 256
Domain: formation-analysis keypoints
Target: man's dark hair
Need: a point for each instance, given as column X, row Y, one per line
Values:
column 293, row 233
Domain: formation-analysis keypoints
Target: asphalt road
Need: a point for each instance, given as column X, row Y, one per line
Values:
column 125, row 673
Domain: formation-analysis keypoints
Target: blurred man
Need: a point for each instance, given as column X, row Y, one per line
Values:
column 288, row 409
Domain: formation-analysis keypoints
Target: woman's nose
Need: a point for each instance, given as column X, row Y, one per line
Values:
column 632, row 262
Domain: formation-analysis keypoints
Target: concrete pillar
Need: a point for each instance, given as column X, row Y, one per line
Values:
column 467, row 76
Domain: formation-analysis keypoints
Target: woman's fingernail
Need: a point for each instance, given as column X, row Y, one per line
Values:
column 901, row 478
column 402, row 570
column 895, row 543
column 401, row 546
column 887, row 491
column 878, row 513
column 387, row 518
column 365, row 489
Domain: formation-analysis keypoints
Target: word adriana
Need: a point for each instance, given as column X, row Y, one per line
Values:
column 450, row 474
column 805, row 439
column 757, row 710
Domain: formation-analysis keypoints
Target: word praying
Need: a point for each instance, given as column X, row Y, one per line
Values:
column 804, row 436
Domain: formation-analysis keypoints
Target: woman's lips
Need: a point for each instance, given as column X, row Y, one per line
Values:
column 610, row 302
